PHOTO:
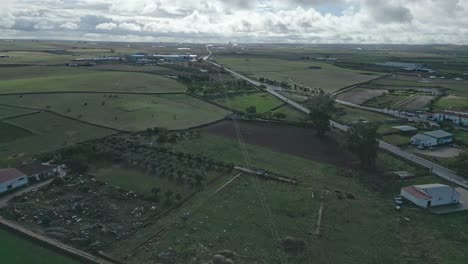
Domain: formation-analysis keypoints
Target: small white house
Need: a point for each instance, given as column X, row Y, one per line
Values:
column 429, row 195
column 11, row 179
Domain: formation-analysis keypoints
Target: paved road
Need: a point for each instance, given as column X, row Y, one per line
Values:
column 434, row 168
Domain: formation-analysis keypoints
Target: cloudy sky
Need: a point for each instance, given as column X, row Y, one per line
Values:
column 301, row 21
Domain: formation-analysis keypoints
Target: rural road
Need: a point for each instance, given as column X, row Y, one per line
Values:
column 438, row 170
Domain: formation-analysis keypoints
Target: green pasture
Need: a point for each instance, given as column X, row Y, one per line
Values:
column 125, row 112
column 45, row 132
column 48, row 79
column 329, row 77
column 264, row 102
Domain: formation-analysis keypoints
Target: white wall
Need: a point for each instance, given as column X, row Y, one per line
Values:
column 443, row 195
column 15, row 184
column 419, row 202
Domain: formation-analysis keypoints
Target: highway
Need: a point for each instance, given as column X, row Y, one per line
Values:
column 434, row 168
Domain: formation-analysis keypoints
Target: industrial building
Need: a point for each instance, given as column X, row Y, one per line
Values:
column 432, row 138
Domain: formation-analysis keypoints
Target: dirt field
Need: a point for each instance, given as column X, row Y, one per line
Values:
column 360, row 95
column 418, row 102
column 293, row 140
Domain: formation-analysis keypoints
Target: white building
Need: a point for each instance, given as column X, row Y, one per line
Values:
column 432, row 138
column 11, row 179
column 429, row 195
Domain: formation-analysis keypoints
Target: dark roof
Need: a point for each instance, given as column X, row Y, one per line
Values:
column 438, row 134
column 35, row 168
column 10, row 174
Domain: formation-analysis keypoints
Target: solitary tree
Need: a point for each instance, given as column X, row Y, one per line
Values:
column 362, row 141
column 321, row 109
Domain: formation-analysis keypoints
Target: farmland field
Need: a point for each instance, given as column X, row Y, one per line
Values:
column 291, row 114
column 126, row 112
column 397, row 140
column 35, row 58
column 325, row 76
column 58, row 132
column 264, row 102
column 18, row 250
column 10, row 132
column 353, row 115
column 386, row 101
column 360, row 95
column 43, row 80
column 302, row 142
column 416, row 102
column 7, row 112
column 452, row 103
column 348, row 222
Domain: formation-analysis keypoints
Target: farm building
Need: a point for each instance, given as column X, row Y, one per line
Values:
column 432, row 138
column 429, row 195
column 11, row 179
column 4, row 56
column 405, row 128
column 37, row 171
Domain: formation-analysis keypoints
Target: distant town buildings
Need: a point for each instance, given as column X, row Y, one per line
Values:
column 406, row 66
column 429, row 195
column 432, row 138
column 100, row 59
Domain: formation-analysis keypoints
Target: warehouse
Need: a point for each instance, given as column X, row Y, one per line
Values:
column 428, row 195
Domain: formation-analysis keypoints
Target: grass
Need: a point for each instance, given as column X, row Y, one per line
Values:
column 397, row 140
column 329, row 78
column 452, row 103
column 355, row 115
column 34, row 57
column 51, row 132
column 461, row 136
column 87, row 80
column 226, row 220
column 126, row 112
column 7, row 112
column 138, row 181
column 291, row 114
column 10, row 132
column 264, row 102
column 18, row 250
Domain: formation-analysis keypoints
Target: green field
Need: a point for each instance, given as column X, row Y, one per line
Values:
column 461, row 136
column 126, row 112
column 7, row 112
column 138, row 181
column 10, row 132
column 397, row 140
column 329, row 78
column 35, row 58
column 264, row 102
column 52, row 79
column 51, row 132
column 18, row 250
column 452, row 103
column 291, row 114
column 355, row 115
column 275, row 211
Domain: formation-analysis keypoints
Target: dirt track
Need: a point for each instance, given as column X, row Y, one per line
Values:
column 293, row 140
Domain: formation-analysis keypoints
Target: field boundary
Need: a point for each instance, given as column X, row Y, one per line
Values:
column 68, row 117
column 94, row 92
column 51, row 243
column 17, row 116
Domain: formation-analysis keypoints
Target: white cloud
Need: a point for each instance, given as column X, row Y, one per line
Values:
column 310, row 21
column 106, row 26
